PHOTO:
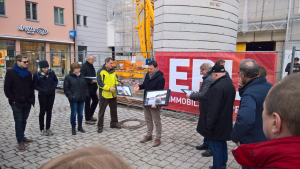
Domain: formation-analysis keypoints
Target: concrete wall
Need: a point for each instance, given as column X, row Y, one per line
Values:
column 195, row 25
column 94, row 35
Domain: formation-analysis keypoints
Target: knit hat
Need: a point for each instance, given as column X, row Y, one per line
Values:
column 43, row 64
column 218, row 69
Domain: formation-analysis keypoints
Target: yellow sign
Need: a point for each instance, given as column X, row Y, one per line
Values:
column 3, row 53
column 61, row 11
column 1, row 0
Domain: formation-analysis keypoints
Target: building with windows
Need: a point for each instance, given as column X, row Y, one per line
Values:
column 40, row 30
column 91, row 27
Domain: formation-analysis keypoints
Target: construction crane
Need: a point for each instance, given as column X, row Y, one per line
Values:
column 145, row 19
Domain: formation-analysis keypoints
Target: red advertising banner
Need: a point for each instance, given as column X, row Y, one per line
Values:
column 182, row 71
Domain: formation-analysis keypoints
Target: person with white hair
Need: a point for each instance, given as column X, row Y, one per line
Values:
column 88, row 69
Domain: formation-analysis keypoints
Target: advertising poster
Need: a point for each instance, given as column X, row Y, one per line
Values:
column 3, row 53
column 182, row 71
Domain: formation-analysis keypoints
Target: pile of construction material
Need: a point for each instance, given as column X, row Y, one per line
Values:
column 130, row 101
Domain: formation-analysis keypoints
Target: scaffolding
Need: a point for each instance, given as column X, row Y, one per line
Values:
column 262, row 15
column 124, row 15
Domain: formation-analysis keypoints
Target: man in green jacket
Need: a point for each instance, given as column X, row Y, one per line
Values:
column 106, row 81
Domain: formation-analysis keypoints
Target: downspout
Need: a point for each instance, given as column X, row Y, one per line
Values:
column 74, row 29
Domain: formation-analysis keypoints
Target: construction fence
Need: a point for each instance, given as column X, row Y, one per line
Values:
column 129, row 66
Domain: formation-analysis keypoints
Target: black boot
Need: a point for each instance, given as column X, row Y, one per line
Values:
column 73, row 130
column 80, row 129
column 208, row 153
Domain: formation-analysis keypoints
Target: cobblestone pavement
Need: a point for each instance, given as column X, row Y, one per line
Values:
column 176, row 151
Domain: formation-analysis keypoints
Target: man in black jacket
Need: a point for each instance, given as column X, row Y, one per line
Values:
column 216, row 117
column 19, row 90
column 88, row 69
column 222, row 62
column 295, row 69
column 205, row 69
column 154, row 80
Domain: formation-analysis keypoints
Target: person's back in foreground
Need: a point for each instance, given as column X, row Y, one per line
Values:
column 281, row 126
column 87, row 158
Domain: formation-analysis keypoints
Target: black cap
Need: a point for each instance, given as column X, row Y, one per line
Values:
column 43, row 64
column 218, row 69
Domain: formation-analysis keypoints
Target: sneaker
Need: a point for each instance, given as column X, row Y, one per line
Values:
column 44, row 133
column 93, row 119
column 90, row 122
column 49, row 132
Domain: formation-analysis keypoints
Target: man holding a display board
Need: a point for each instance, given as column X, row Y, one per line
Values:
column 154, row 80
column 205, row 69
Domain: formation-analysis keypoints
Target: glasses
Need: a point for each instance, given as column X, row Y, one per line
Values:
column 25, row 62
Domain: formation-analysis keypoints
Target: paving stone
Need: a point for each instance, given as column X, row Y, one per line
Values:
column 177, row 149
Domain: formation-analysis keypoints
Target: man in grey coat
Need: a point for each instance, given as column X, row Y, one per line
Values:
column 205, row 69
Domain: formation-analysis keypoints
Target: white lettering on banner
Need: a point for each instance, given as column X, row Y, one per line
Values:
column 228, row 67
column 31, row 30
column 174, row 75
column 183, row 101
column 178, row 100
column 188, row 102
column 197, row 78
column 236, row 109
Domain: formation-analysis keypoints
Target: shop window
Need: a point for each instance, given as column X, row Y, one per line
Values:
column 78, row 19
column 32, row 46
column 7, row 51
column 31, row 10
column 60, row 59
column 2, row 7
column 59, row 16
column 84, row 20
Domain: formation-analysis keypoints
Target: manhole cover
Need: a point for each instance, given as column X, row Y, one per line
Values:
column 132, row 124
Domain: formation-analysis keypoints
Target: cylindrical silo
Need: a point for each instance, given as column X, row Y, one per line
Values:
column 195, row 25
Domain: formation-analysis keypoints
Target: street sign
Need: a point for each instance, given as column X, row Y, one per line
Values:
column 72, row 34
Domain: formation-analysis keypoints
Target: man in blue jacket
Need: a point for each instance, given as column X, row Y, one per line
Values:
column 248, row 127
column 154, row 80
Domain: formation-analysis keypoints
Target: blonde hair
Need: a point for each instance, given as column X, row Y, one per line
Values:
column 206, row 66
column 87, row 158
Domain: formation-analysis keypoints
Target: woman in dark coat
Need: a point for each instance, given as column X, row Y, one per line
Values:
column 45, row 81
column 76, row 90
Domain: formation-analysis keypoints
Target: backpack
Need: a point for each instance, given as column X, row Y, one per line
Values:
column 38, row 77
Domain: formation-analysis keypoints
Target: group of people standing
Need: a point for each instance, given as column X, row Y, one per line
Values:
column 262, row 113
column 80, row 88
column 266, row 130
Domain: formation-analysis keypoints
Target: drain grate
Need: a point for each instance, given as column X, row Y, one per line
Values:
column 132, row 124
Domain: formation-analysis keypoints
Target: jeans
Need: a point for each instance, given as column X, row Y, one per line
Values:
column 20, row 116
column 76, row 107
column 220, row 154
column 46, row 105
column 206, row 143
column 89, row 108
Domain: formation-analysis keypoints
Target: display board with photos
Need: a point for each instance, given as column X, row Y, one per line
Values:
column 123, row 90
column 157, row 97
